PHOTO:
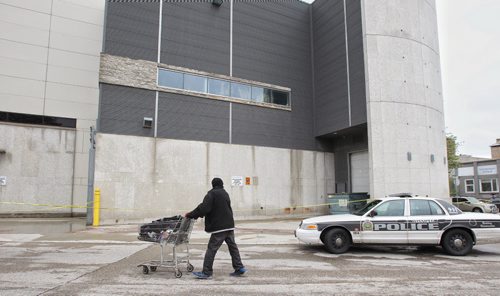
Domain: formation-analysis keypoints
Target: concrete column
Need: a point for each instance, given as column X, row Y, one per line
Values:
column 406, row 132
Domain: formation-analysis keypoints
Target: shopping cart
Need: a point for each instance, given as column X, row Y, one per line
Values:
column 176, row 233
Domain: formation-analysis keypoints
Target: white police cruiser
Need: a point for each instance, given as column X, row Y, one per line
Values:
column 403, row 221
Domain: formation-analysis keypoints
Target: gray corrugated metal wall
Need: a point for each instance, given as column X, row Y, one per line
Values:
column 196, row 35
column 356, row 63
column 122, row 110
column 132, row 30
column 272, row 45
column 330, row 64
column 190, row 118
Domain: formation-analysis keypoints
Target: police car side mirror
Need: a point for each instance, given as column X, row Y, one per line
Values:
column 373, row 213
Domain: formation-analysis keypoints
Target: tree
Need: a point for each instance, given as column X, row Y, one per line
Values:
column 453, row 160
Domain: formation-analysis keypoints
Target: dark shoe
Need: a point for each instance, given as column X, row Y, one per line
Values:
column 238, row 272
column 201, row 275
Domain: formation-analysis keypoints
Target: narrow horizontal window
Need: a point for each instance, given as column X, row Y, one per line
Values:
column 218, row 87
column 195, row 83
column 170, row 79
column 279, row 97
column 261, row 95
column 37, row 119
column 241, row 91
column 203, row 84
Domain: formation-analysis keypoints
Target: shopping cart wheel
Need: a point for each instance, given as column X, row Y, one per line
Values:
column 190, row 267
column 145, row 270
column 178, row 273
column 153, row 268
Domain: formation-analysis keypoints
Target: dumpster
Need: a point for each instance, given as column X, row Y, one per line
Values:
column 346, row 203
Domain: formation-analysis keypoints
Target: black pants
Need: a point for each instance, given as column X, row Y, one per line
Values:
column 216, row 240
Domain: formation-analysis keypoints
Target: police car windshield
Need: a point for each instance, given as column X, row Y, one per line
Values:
column 366, row 208
column 451, row 209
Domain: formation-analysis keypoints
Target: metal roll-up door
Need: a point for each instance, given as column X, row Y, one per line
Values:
column 360, row 181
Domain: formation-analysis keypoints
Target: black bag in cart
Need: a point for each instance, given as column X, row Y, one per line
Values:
column 151, row 232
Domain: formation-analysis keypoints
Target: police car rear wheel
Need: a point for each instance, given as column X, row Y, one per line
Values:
column 337, row 241
column 457, row 242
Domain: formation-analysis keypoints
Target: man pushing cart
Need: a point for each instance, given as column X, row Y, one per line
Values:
column 219, row 222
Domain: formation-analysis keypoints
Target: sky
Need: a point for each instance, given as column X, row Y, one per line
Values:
column 469, row 41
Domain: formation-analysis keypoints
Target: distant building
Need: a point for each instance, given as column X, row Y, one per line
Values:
column 477, row 176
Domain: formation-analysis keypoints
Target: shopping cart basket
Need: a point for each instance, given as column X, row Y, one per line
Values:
column 175, row 234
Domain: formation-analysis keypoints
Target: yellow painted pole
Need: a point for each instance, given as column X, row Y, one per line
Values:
column 97, row 206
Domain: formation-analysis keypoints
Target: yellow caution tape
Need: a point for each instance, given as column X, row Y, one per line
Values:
column 90, row 206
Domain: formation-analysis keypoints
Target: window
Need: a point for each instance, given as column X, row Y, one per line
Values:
column 391, row 208
column 260, row 94
column 469, row 186
column 220, row 87
column 424, row 208
column 170, row 79
column 452, row 210
column 241, row 91
column 195, row 83
column 489, row 185
column 37, row 119
column 279, row 97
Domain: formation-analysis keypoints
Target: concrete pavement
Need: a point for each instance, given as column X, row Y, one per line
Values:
column 103, row 261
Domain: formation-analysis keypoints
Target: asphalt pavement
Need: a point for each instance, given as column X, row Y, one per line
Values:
column 67, row 258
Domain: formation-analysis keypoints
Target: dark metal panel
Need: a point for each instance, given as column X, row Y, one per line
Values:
column 132, row 29
column 196, row 35
column 271, row 44
column 262, row 126
column 356, row 62
column 122, row 110
column 331, row 101
column 192, row 118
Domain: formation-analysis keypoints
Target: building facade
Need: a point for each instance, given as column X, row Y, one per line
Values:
column 286, row 101
column 478, row 177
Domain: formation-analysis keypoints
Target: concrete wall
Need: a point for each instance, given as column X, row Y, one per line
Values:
column 38, row 165
column 141, row 178
column 49, row 65
column 404, row 99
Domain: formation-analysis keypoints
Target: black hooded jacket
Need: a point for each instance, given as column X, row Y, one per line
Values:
column 216, row 208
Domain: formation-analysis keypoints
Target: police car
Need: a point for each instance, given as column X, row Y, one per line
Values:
column 403, row 221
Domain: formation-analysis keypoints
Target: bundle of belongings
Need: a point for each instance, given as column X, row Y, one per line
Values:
column 152, row 232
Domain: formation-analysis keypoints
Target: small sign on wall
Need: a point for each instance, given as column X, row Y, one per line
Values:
column 236, row 181
column 487, row 170
column 343, row 202
column 248, row 181
column 3, row 180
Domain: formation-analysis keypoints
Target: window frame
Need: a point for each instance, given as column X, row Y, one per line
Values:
column 473, row 186
column 485, row 181
column 429, row 204
column 233, row 82
column 386, row 203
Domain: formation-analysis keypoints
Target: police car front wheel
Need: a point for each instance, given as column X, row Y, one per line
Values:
column 457, row 242
column 337, row 241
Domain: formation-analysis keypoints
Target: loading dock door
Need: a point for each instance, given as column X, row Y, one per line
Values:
column 358, row 165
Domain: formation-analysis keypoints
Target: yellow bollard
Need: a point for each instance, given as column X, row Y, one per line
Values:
column 97, row 206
